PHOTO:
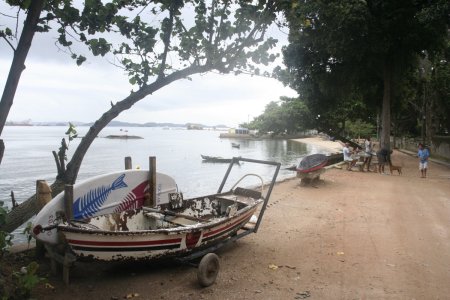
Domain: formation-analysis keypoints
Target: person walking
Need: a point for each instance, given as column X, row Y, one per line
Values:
column 423, row 153
column 368, row 153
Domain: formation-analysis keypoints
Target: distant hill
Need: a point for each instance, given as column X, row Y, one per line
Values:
column 111, row 124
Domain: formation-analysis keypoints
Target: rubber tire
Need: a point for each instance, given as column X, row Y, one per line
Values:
column 208, row 269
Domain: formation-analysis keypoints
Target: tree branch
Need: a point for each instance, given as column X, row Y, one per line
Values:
column 166, row 41
column 58, row 166
column 217, row 39
column 2, row 150
column 18, row 63
column 9, row 43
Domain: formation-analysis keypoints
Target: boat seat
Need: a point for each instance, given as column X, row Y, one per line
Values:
column 247, row 193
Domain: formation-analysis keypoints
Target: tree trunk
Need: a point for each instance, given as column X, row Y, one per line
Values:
column 429, row 112
column 2, row 150
column 385, row 138
column 394, row 133
column 18, row 63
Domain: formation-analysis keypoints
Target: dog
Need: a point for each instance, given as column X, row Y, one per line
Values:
column 393, row 168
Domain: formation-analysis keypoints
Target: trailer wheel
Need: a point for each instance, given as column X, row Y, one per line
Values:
column 208, row 269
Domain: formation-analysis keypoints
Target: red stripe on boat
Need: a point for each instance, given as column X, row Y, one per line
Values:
column 313, row 168
column 207, row 234
column 137, row 243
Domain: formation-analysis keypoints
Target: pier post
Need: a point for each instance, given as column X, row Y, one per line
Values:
column 68, row 202
column 128, row 165
column 151, row 200
column 43, row 196
column 43, row 193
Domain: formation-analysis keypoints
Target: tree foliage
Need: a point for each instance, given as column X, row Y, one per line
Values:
column 359, row 129
column 347, row 49
column 288, row 116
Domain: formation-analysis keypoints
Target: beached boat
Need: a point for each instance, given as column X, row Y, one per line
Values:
column 105, row 228
column 215, row 159
column 235, row 145
column 149, row 233
column 331, row 160
column 312, row 163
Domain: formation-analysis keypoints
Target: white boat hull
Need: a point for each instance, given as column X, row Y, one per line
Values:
column 105, row 245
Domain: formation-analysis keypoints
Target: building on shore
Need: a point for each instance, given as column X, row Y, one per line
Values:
column 239, row 133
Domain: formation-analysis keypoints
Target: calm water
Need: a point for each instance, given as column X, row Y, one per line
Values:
column 28, row 157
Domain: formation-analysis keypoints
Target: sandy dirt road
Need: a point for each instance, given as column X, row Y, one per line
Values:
column 357, row 235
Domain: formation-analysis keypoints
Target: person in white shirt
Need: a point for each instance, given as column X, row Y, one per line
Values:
column 348, row 157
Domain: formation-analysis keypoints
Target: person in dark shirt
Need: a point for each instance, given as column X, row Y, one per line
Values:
column 423, row 154
column 383, row 158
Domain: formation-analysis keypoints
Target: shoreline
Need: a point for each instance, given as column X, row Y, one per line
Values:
column 333, row 146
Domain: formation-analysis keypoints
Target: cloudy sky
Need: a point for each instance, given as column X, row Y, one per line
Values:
column 53, row 88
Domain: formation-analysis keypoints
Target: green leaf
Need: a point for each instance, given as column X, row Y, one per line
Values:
column 80, row 60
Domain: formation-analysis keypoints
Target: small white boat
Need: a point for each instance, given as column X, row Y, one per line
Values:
column 111, row 222
column 149, row 233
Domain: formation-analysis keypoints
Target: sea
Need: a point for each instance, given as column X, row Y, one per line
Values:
column 28, row 157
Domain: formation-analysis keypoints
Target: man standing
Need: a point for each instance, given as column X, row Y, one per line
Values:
column 368, row 153
column 383, row 156
column 348, row 157
column 423, row 155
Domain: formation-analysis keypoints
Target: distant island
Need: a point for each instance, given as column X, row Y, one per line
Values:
column 195, row 126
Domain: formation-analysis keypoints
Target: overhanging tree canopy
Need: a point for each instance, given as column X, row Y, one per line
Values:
column 343, row 47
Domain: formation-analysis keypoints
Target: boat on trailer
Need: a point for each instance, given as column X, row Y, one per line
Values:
column 149, row 233
column 105, row 228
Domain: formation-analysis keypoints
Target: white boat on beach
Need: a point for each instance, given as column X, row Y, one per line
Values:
column 110, row 220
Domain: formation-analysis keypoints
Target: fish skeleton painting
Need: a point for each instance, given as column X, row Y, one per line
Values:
column 91, row 202
column 134, row 199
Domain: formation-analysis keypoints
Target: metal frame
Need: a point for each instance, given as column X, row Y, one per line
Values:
column 187, row 259
column 272, row 183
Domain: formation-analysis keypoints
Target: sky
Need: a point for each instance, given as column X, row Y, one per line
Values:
column 53, row 89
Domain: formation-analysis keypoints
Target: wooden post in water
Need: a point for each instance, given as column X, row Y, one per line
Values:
column 13, row 200
column 68, row 201
column 150, row 201
column 128, row 165
column 43, row 196
column 43, row 193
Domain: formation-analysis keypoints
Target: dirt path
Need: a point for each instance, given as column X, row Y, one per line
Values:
column 356, row 236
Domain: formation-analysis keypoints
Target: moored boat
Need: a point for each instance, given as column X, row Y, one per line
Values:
column 216, row 159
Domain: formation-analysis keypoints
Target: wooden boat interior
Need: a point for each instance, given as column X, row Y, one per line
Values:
column 176, row 214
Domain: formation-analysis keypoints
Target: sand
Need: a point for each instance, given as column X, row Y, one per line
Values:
column 323, row 142
column 357, row 235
